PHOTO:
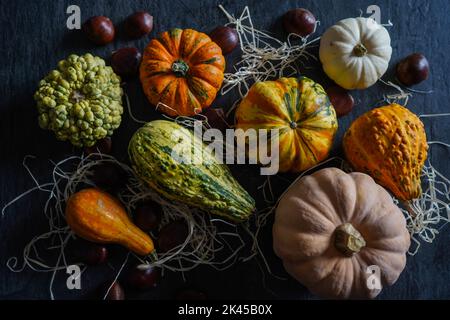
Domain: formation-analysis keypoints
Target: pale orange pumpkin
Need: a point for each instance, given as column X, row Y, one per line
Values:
column 181, row 72
column 389, row 144
column 301, row 111
column 331, row 226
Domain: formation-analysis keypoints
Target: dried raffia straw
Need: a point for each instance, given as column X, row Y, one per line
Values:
column 263, row 56
column 401, row 97
column 430, row 212
column 211, row 240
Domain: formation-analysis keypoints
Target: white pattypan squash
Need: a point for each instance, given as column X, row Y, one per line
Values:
column 355, row 52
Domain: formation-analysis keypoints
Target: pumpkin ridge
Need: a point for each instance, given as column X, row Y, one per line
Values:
column 306, row 144
column 167, row 50
column 387, row 265
column 288, row 106
column 319, row 287
column 170, row 97
column 309, row 212
column 205, row 77
column 379, row 245
column 310, row 279
column 193, row 102
column 342, row 188
column 186, row 43
column 149, row 52
column 344, row 44
column 350, row 64
column 315, row 113
column 366, row 66
column 165, row 91
column 376, row 57
column 347, row 30
column 199, row 91
column 266, row 107
column 360, row 280
column 198, row 40
column 327, row 206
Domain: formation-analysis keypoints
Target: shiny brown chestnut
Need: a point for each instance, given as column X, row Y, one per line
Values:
column 125, row 62
column 172, row 235
column 299, row 21
column 143, row 277
column 102, row 146
column 413, row 69
column 226, row 38
column 115, row 292
column 99, row 29
column 147, row 216
column 139, row 24
column 341, row 100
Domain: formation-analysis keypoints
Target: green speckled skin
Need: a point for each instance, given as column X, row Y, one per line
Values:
column 206, row 184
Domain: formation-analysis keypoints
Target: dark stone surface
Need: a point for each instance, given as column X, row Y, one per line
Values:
column 34, row 38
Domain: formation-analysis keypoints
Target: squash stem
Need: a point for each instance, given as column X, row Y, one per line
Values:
column 348, row 240
column 180, row 68
column 360, row 50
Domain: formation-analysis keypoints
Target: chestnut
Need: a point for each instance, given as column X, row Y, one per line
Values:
column 172, row 235
column 102, row 146
column 125, row 62
column 299, row 21
column 139, row 24
column 226, row 38
column 341, row 100
column 143, row 277
column 99, row 29
column 116, row 292
column 108, row 176
column 216, row 118
column 413, row 69
column 90, row 253
column 147, row 216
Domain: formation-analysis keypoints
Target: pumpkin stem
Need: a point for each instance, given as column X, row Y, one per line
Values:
column 348, row 240
column 76, row 96
column 360, row 50
column 180, row 68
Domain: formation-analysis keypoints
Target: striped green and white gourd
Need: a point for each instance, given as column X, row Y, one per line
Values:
column 203, row 182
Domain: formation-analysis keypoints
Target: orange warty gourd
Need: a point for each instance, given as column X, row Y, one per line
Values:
column 331, row 227
column 183, row 70
column 301, row 111
column 390, row 144
column 96, row 216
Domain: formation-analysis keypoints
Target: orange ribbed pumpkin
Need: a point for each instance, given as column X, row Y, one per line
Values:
column 96, row 216
column 182, row 69
column 300, row 110
column 390, row 144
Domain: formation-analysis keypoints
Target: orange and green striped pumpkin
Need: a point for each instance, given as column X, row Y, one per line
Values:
column 301, row 110
column 181, row 72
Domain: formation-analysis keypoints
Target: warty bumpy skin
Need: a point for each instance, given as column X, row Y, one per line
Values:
column 81, row 101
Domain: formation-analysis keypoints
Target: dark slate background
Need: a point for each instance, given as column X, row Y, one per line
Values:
column 34, row 38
